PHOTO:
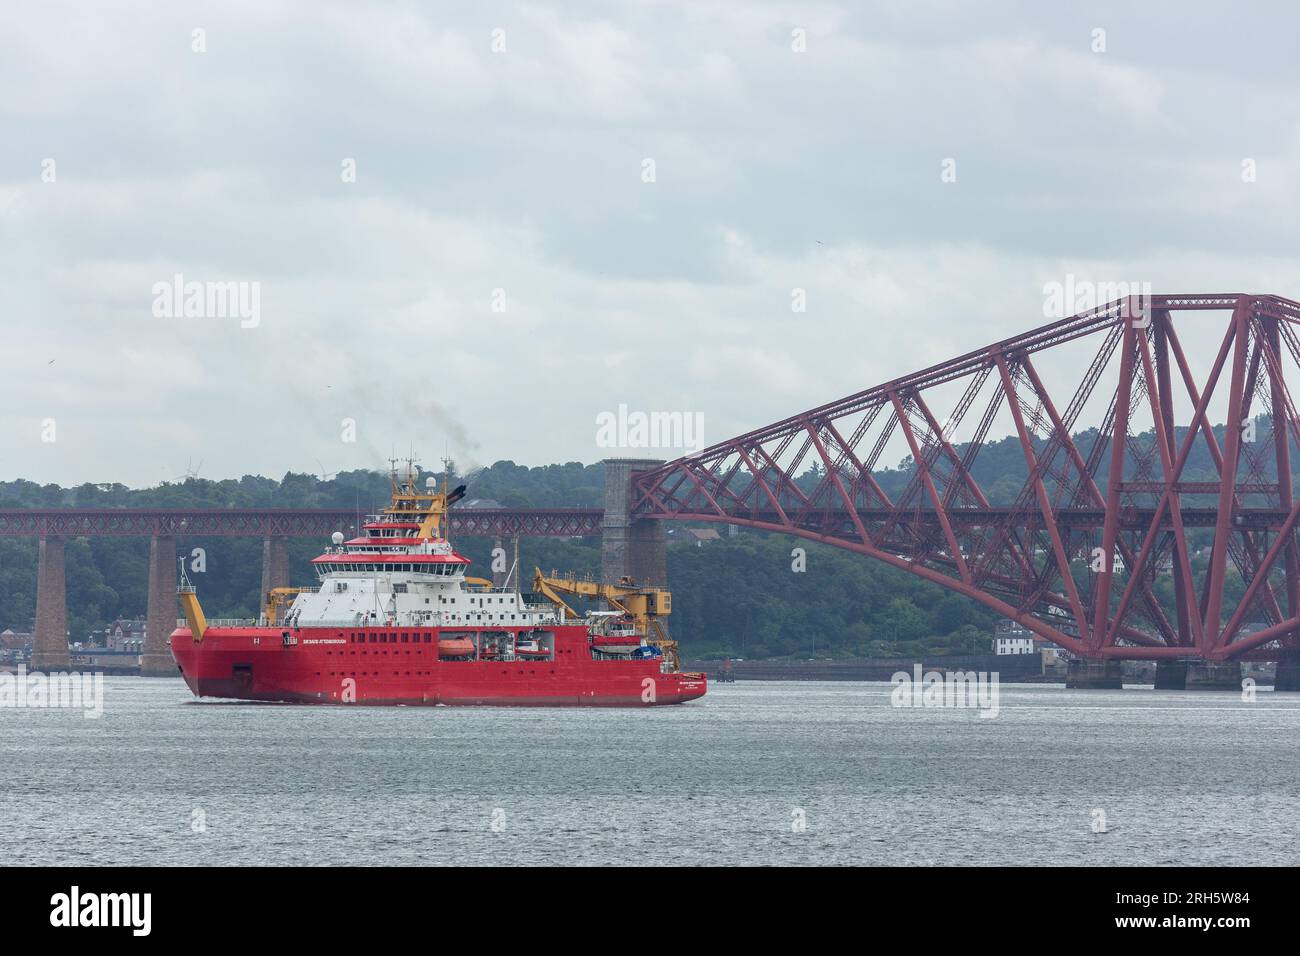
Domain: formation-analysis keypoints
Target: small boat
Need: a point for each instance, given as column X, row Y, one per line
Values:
column 455, row 647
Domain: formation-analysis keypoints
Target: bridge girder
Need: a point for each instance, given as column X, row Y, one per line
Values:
column 289, row 523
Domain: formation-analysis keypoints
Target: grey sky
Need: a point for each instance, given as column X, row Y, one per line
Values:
column 522, row 171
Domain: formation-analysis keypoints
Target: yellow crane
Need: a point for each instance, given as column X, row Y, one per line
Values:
column 190, row 606
column 276, row 599
column 647, row 607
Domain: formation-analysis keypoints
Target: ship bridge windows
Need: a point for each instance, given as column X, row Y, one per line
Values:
column 363, row 567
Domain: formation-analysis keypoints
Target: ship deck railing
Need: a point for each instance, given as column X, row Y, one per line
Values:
column 223, row 622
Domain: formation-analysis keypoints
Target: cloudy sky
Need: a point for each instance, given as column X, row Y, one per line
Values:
column 477, row 227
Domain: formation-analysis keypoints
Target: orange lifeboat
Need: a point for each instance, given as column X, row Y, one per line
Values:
column 456, row 647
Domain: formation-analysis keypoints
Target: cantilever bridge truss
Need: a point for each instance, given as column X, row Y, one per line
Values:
column 1110, row 543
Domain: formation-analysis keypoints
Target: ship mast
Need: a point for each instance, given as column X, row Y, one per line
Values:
column 428, row 506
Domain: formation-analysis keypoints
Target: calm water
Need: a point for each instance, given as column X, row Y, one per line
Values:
column 1181, row 777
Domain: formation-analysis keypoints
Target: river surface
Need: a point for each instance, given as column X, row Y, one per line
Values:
column 754, row 773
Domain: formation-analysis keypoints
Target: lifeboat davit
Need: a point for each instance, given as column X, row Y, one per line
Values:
column 456, row 647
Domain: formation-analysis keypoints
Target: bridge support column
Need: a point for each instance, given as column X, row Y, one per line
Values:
column 1214, row 675
column 1092, row 674
column 630, row 547
column 509, row 550
column 275, row 564
column 50, row 642
column 1288, row 676
column 160, row 621
column 1171, row 675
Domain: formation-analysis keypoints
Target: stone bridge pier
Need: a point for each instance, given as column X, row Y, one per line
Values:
column 275, row 564
column 50, row 642
column 160, row 620
column 634, row 547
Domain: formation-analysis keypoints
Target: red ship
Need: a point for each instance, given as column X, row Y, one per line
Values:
column 396, row 620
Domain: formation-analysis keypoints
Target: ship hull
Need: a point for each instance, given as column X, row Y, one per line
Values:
column 319, row 666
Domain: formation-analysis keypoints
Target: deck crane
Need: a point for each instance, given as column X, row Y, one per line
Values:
column 646, row 606
column 276, row 599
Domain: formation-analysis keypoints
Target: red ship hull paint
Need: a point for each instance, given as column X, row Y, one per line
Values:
column 386, row 667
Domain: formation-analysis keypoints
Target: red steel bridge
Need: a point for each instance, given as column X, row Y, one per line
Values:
column 1110, row 547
